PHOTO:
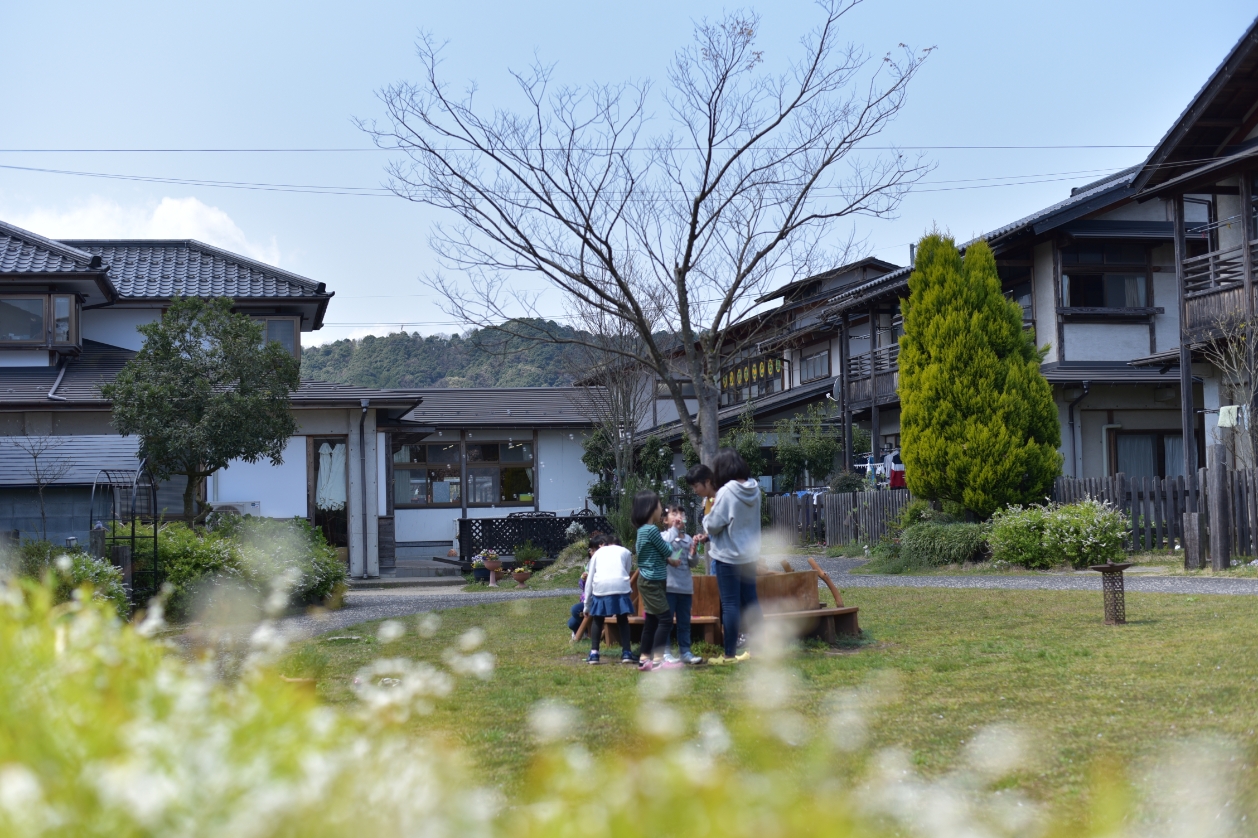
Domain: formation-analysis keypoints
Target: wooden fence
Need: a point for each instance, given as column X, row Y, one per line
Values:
column 845, row 518
column 1224, row 500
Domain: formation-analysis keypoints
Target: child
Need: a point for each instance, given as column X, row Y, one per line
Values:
column 607, row 594
column 653, row 560
column 702, row 483
column 733, row 528
column 681, row 584
column 578, row 608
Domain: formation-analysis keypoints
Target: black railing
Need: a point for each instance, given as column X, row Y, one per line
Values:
column 503, row 535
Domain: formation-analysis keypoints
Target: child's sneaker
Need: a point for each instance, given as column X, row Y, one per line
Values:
column 629, row 657
column 667, row 664
column 691, row 659
column 671, row 658
column 647, row 665
column 742, row 641
column 593, row 658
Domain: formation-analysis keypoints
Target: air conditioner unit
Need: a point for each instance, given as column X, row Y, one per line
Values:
column 239, row 507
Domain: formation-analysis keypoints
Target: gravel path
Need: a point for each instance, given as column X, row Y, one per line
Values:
column 361, row 606
column 840, row 570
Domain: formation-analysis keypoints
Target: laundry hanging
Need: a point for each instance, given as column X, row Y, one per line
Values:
column 330, row 490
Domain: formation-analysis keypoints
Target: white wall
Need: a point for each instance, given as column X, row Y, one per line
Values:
column 382, row 471
column 562, row 479
column 1045, row 300
column 25, row 358
column 430, row 524
column 281, row 489
column 1106, row 341
column 116, row 326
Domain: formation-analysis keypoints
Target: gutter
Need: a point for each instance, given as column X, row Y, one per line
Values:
column 362, row 475
column 1074, row 446
column 52, row 391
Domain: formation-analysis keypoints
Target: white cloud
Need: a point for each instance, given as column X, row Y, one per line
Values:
column 171, row 218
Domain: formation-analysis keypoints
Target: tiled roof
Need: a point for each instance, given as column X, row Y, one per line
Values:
column 161, row 269
column 98, row 364
column 22, row 251
column 82, row 456
column 500, row 406
column 1110, row 373
column 326, row 391
column 731, row 415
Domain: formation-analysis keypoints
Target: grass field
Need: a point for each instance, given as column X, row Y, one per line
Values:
column 959, row 660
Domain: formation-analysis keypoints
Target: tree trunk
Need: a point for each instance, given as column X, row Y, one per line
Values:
column 190, row 495
column 709, row 427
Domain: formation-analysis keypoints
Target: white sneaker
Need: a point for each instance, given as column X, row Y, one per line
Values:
column 670, row 659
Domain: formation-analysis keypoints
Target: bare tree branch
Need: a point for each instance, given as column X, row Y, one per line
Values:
column 46, row 469
column 675, row 235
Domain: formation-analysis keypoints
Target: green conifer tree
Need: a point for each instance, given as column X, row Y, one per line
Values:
column 978, row 424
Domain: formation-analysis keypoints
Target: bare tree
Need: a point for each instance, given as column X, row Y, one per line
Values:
column 45, row 470
column 676, row 233
column 1230, row 350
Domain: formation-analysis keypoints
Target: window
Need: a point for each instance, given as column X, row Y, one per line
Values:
column 63, row 330
column 1104, row 275
column 426, row 474
column 815, row 366
column 22, row 319
column 751, row 378
column 1149, row 453
column 286, row 331
column 499, row 473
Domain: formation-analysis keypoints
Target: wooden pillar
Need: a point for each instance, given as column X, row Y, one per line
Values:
column 1220, row 520
column 1247, row 256
column 875, row 427
column 845, row 351
column 1186, row 416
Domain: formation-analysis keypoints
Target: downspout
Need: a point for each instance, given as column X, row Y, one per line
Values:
column 52, row 392
column 1074, row 446
column 362, row 475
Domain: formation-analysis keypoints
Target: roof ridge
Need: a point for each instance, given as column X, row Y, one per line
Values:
column 54, row 245
column 196, row 244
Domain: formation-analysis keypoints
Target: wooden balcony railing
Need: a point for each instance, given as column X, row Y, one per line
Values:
column 1214, row 291
column 883, row 359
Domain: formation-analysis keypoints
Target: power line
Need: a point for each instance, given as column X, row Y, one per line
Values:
column 627, row 148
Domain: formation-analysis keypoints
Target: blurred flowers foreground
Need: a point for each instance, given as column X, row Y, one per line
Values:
column 104, row 730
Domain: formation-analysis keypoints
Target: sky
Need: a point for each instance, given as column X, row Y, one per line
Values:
column 158, row 94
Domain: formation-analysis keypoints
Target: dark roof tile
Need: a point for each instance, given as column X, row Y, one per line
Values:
column 22, row 251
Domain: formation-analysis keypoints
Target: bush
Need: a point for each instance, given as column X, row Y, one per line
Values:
column 528, row 552
column 1078, row 534
column 848, row 481
column 250, row 555
column 929, row 544
column 70, row 569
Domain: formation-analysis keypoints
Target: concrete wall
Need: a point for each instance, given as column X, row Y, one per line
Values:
column 117, row 326
column 281, row 489
column 562, row 479
column 1133, row 407
column 1045, row 300
column 1166, row 295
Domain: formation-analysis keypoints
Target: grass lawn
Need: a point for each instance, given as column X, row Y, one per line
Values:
column 1041, row 660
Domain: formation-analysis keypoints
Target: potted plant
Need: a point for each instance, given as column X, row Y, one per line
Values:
column 523, row 572
column 480, row 573
column 490, row 559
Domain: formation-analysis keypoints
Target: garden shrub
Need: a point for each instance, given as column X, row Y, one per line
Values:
column 70, row 569
column 528, row 552
column 1078, row 534
column 929, row 544
column 251, row 555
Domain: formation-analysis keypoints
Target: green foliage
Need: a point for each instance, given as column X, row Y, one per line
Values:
column 527, row 552
column 654, row 461
column 67, row 570
column 929, row 544
column 689, row 456
column 848, row 481
column 977, row 419
column 1078, row 534
column 807, row 443
column 205, row 390
column 480, row 358
column 744, row 439
column 247, row 555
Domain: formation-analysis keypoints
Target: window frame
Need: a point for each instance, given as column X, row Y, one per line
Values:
column 501, row 465
column 803, row 365
column 1159, row 446
column 265, row 319
column 46, row 338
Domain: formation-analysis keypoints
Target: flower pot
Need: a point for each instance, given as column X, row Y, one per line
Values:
column 521, row 576
column 493, row 564
column 480, row 574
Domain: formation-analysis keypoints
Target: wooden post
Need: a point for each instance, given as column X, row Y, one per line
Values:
column 1217, row 498
column 1186, row 415
column 844, row 356
column 875, row 426
column 122, row 559
column 1192, row 541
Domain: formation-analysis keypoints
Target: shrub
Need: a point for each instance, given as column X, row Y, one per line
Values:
column 527, row 552
column 928, row 544
column 1078, row 534
column 848, row 481
column 70, row 569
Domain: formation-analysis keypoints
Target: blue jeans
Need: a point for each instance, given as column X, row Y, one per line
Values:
column 739, row 605
column 679, row 604
column 574, row 620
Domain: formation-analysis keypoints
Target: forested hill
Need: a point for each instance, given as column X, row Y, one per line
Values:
column 479, row 358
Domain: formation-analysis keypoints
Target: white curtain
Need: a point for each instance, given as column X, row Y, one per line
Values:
column 330, row 490
column 1173, row 447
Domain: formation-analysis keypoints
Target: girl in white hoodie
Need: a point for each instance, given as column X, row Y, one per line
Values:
column 733, row 528
column 607, row 594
